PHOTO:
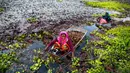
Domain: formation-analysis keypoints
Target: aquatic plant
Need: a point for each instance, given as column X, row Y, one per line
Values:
column 112, row 15
column 32, row 20
column 75, row 62
column 75, row 71
column 59, row 0
column 6, row 60
column 1, row 9
column 49, row 71
column 112, row 5
column 38, row 63
column 111, row 52
column 17, row 45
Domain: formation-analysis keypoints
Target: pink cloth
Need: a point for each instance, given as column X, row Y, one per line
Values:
column 59, row 38
column 102, row 21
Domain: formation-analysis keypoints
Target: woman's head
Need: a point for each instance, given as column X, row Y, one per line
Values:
column 107, row 13
column 63, row 36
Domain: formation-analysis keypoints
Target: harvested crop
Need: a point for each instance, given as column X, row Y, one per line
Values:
column 75, row 36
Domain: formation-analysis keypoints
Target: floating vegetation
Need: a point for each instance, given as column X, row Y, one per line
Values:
column 75, row 62
column 59, row 0
column 112, row 5
column 37, row 65
column 32, row 20
column 110, row 53
column 1, row 9
column 112, row 15
column 38, row 61
column 6, row 61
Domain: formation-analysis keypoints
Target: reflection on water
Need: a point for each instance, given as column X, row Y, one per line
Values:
column 36, row 44
column 90, row 29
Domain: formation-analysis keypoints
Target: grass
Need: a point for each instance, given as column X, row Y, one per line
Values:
column 1, row 9
column 112, row 15
column 32, row 20
column 59, row 0
column 112, row 5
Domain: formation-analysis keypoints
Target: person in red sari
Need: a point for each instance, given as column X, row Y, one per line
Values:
column 62, row 43
column 104, row 19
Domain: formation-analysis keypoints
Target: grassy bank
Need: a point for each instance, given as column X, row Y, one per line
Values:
column 111, row 5
column 112, row 15
column 111, row 52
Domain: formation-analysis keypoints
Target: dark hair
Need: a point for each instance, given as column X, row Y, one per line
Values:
column 106, row 13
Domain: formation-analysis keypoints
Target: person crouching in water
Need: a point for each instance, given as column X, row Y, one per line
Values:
column 104, row 19
column 62, row 44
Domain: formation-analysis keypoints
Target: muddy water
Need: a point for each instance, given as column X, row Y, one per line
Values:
column 90, row 29
column 25, row 57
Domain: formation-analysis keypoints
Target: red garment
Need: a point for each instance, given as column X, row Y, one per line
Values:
column 63, row 47
column 102, row 21
column 69, row 42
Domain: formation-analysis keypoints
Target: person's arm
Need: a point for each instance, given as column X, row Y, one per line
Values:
column 50, row 44
column 72, row 49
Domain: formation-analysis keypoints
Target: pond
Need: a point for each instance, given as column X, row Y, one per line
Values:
column 26, row 55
